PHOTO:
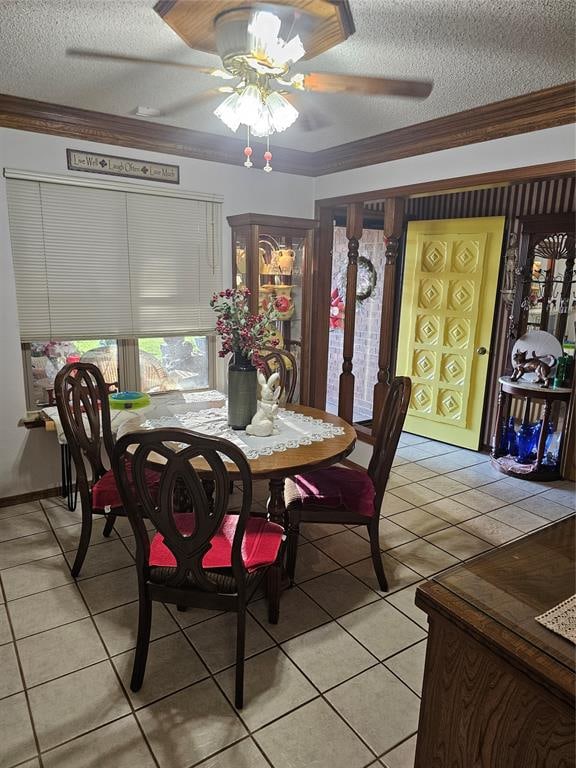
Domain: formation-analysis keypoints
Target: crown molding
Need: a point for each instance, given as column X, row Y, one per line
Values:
column 522, row 114
column 58, row 120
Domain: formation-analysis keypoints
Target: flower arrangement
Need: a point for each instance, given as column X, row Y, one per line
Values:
column 242, row 332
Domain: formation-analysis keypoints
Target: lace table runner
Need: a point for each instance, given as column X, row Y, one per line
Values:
column 561, row 619
column 294, row 429
column 160, row 406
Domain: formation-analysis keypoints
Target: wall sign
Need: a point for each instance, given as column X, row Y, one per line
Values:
column 92, row 162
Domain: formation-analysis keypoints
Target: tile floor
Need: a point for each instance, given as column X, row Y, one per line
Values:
column 336, row 683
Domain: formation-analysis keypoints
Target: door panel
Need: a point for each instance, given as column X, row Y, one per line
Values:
column 448, row 295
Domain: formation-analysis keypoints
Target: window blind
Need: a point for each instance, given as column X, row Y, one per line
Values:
column 100, row 262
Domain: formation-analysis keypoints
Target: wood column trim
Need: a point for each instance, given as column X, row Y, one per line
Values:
column 393, row 226
column 354, row 223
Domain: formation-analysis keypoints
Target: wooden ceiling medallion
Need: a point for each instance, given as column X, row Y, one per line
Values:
column 327, row 23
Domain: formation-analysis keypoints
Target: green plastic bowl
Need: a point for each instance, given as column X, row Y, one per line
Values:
column 122, row 400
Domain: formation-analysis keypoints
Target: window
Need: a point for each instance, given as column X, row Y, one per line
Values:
column 127, row 271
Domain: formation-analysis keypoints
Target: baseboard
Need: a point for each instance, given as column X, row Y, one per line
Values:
column 22, row 498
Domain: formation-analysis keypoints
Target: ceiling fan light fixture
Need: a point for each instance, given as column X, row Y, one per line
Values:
column 282, row 113
column 267, row 46
column 249, row 105
column 227, row 111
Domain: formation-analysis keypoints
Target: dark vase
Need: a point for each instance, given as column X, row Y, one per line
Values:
column 242, row 400
column 525, row 443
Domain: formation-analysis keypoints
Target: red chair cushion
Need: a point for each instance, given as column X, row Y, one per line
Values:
column 106, row 494
column 337, row 487
column 260, row 545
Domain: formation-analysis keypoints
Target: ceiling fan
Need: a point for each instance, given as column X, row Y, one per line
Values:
column 258, row 44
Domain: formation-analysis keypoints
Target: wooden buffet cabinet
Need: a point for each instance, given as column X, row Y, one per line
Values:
column 499, row 687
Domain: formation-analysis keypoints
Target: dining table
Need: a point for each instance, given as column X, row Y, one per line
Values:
column 306, row 438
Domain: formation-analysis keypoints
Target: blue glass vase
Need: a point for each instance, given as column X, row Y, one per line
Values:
column 525, row 436
column 511, row 439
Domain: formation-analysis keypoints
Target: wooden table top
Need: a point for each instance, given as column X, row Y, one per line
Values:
column 319, row 454
column 498, row 594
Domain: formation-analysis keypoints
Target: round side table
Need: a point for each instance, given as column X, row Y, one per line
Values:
column 527, row 392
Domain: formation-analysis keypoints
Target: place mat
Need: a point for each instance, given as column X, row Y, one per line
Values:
column 561, row 619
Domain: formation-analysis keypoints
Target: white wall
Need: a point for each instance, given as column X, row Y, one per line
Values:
column 29, row 459
column 547, row 146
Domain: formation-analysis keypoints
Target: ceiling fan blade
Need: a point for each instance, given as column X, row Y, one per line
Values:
column 325, row 82
column 193, row 101
column 309, row 119
column 83, row 53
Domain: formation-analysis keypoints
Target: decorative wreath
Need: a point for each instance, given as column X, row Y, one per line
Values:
column 366, row 279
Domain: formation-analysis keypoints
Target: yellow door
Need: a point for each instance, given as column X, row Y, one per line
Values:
column 449, row 291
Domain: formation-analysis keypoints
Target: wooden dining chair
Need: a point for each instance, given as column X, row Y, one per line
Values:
column 282, row 361
column 203, row 557
column 82, row 400
column 349, row 496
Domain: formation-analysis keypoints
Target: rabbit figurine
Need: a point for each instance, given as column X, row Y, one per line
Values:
column 262, row 424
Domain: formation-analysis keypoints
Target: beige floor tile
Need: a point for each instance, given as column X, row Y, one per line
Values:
column 311, row 563
column 215, row 640
column 548, row 509
column 190, row 616
column 190, row 725
column 273, row 685
column 34, row 763
column 415, row 472
column 451, row 511
column 314, row 531
column 391, row 505
column 36, row 576
column 60, row 516
column 119, row 626
column 314, row 735
column 396, row 480
column 422, row 557
column 442, row 464
column 406, row 438
column 16, row 734
column 344, row 547
column 70, row 535
column 117, row 745
column 339, row 592
column 46, row 610
column 444, row 485
column 23, row 525
column 419, row 522
column 565, row 495
column 397, row 461
column 409, row 666
column 397, row 575
column 402, row 756
column 328, row 655
column 10, row 679
column 508, row 490
column 172, row 664
column 404, row 601
column 381, row 720
column 458, row 543
column 111, row 589
column 298, row 613
column 244, row 754
column 59, row 651
column 71, row 705
column 416, row 494
column 478, row 500
column 28, row 548
column 390, row 534
column 102, row 558
column 518, row 518
column 5, row 633
column 477, row 475
column 492, row 531
column 382, row 629
column 20, row 509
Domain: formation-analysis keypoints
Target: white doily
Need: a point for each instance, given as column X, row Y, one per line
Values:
column 294, row 430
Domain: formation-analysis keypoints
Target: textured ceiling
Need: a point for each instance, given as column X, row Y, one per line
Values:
column 475, row 51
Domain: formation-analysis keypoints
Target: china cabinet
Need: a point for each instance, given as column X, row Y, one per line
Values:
column 271, row 256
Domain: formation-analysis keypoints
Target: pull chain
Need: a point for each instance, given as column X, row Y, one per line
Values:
column 248, row 150
column 267, row 156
